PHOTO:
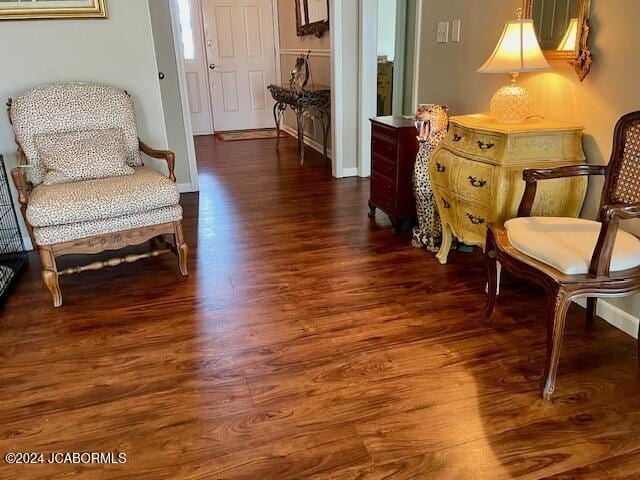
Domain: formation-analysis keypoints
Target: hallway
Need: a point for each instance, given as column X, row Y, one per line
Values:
column 307, row 342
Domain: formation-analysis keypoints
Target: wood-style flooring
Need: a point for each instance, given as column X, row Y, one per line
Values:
column 307, row 343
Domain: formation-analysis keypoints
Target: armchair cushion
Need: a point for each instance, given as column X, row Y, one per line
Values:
column 567, row 244
column 82, row 155
column 99, row 199
column 74, row 231
column 70, row 106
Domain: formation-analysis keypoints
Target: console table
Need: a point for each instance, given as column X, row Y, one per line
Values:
column 310, row 98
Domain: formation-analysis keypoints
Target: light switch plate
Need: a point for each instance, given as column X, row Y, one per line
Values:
column 455, row 31
column 443, row 32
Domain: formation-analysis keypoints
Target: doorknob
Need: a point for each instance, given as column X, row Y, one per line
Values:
column 212, row 66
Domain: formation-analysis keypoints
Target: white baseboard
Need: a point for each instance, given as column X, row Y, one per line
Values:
column 186, row 188
column 350, row 172
column 307, row 141
column 615, row 316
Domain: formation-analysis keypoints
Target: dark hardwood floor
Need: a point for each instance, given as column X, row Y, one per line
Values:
column 306, row 343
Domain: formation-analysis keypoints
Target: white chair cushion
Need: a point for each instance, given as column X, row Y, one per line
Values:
column 567, row 244
column 68, row 106
column 75, row 231
column 82, row 155
column 102, row 198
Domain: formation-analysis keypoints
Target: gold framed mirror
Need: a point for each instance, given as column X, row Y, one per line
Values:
column 312, row 17
column 562, row 28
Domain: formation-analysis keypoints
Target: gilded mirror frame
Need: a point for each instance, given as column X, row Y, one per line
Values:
column 581, row 57
column 61, row 9
column 315, row 28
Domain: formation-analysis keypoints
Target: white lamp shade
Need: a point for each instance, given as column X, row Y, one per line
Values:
column 570, row 38
column 517, row 51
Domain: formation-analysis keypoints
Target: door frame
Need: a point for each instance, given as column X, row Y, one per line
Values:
column 367, row 84
column 186, row 115
column 368, row 81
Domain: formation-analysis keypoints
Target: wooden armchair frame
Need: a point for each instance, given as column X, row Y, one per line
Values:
column 561, row 288
column 100, row 243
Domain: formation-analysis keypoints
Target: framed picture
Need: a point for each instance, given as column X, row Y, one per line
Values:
column 36, row 9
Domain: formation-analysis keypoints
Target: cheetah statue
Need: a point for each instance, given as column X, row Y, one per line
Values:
column 432, row 123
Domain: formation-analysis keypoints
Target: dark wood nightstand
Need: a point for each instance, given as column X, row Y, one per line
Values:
column 393, row 152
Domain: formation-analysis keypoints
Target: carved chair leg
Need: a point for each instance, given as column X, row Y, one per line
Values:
column 558, row 307
column 492, row 277
column 50, row 274
column 183, row 249
column 592, row 303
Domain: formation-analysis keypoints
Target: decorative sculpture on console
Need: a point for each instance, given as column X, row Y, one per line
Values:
column 301, row 73
column 432, row 123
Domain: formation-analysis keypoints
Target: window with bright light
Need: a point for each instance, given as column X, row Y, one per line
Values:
column 186, row 29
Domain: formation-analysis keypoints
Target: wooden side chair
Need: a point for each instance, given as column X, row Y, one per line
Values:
column 69, row 211
column 574, row 258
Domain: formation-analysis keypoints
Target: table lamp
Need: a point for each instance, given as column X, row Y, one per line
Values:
column 568, row 42
column 517, row 51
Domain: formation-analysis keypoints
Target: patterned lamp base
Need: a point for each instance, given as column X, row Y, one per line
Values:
column 511, row 104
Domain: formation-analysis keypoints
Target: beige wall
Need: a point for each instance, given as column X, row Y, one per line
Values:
column 320, row 62
column 448, row 74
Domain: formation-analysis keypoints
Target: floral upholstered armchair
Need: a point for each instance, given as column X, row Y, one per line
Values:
column 81, row 181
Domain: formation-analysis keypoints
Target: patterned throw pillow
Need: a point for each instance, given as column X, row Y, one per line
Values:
column 82, row 155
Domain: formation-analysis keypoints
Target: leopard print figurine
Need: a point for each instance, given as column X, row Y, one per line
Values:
column 432, row 123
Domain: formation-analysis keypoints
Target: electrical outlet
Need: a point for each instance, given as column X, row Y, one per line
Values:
column 443, row 32
column 455, row 31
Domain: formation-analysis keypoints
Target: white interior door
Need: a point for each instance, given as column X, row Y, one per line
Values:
column 195, row 65
column 241, row 55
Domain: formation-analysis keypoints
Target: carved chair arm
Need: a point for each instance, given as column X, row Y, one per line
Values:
column 610, row 216
column 532, row 175
column 23, row 186
column 169, row 156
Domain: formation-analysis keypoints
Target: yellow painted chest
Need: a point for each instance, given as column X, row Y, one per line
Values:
column 476, row 174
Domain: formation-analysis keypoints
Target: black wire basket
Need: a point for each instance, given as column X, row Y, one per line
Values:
column 13, row 257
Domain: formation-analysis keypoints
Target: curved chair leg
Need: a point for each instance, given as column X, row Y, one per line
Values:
column 559, row 305
column 592, row 303
column 183, row 249
column 492, row 277
column 50, row 274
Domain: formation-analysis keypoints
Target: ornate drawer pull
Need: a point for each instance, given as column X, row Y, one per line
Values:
column 456, row 137
column 440, row 168
column 445, row 204
column 485, row 146
column 477, row 183
column 475, row 220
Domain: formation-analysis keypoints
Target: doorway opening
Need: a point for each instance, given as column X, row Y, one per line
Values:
column 229, row 51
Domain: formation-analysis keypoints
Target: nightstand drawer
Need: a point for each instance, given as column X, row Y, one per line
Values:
column 442, row 167
column 472, row 222
column 383, row 166
column 458, row 138
column 383, row 184
column 383, row 145
column 446, row 205
column 484, row 145
column 475, row 181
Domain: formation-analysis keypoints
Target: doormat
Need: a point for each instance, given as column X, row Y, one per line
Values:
column 248, row 135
